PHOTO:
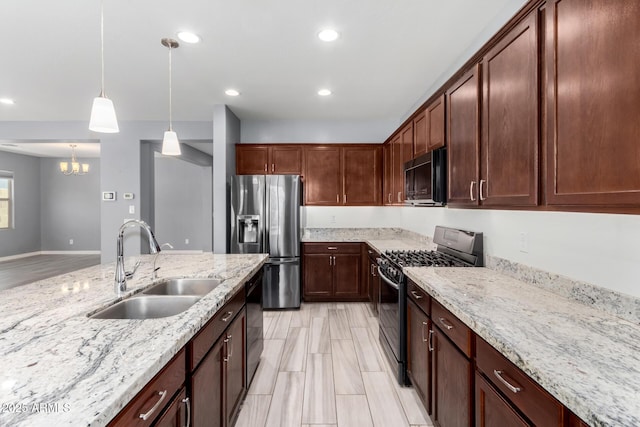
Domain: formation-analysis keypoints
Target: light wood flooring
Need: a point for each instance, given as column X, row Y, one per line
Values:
column 323, row 365
column 21, row 271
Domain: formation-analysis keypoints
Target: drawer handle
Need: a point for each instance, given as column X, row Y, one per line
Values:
column 444, row 322
column 505, row 382
column 188, row 405
column 416, row 295
column 332, row 248
column 146, row 416
column 430, row 339
column 228, row 316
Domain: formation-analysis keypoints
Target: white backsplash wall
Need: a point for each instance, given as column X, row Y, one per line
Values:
column 601, row 249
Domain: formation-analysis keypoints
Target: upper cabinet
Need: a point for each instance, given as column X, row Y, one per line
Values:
column 343, row 175
column 400, row 151
column 593, row 104
column 463, row 119
column 428, row 128
column 510, row 138
column 277, row 159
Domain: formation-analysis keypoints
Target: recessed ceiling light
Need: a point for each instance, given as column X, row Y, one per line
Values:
column 324, row 92
column 7, row 101
column 188, row 37
column 328, row 35
column 232, row 92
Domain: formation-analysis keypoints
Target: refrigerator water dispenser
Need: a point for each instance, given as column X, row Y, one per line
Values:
column 248, row 228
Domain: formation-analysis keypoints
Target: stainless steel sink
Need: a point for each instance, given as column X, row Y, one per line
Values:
column 147, row 307
column 183, row 287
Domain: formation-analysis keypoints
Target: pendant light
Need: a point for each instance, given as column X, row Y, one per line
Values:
column 103, row 115
column 170, row 143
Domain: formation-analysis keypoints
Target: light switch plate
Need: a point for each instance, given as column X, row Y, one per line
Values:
column 109, row 196
column 127, row 196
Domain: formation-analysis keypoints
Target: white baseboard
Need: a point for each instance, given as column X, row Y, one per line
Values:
column 28, row 254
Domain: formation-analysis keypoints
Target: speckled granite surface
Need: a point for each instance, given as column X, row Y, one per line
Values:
column 587, row 359
column 84, row 371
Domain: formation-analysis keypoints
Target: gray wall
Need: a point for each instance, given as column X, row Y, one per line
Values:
column 25, row 237
column 319, row 131
column 70, row 207
column 226, row 133
column 183, row 193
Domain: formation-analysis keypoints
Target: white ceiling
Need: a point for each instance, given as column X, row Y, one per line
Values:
column 390, row 52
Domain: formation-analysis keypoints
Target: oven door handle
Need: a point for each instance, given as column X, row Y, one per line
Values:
column 389, row 282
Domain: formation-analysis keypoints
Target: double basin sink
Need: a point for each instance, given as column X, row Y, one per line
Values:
column 167, row 298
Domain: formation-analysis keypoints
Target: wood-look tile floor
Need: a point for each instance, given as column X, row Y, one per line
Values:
column 322, row 365
column 21, row 271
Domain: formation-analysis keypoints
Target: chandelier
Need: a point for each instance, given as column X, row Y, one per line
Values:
column 77, row 168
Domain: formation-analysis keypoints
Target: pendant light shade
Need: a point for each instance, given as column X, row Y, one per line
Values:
column 170, row 144
column 103, row 114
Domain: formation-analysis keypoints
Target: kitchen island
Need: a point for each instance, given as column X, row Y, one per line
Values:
column 60, row 367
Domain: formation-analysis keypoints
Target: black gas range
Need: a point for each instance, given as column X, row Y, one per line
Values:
column 455, row 248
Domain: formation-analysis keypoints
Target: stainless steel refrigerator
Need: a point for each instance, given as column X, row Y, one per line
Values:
column 265, row 218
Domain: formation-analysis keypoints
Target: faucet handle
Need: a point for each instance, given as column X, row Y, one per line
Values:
column 129, row 274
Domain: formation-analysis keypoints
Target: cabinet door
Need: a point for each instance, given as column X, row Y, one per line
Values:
column 592, row 56
column 397, row 174
column 492, row 410
column 435, row 124
column 207, row 390
column 362, row 172
column 286, row 160
column 462, row 129
column 323, row 179
column 346, row 275
column 318, row 275
column 509, row 168
column 420, row 129
column 234, row 360
column 251, row 160
column 406, row 155
column 388, row 174
column 419, row 357
column 176, row 414
column 452, row 377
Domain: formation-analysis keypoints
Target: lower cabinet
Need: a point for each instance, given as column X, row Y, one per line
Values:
column 371, row 279
column 178, row 414
column 418, row 352
column 332, row 272
column 206, row 388
column 492, row 410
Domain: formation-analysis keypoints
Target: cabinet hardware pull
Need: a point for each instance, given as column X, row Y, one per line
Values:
column 226, row 349
column 273, row 167
column 389, row 198
column 332, row 248
column 422, row 331
column 482, row 181
column 228, row 316
column 444, row 322
column 505, row 382
column 146, row 416
column 229, row 346
column 344, row 198
column 430, row 339
column 188, row 405
column 471, row 191
column 265, row 168
column 399, row 196
column 416, row 295
column 330, row 259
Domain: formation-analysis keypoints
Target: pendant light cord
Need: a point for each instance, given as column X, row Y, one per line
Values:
column 102, row 46
column 170, row 118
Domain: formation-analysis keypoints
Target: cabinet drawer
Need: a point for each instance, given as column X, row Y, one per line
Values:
column 534, row 402
column 210, row 333
column 420, row 297
column 452, row 327
column 331, row 248
column 158, row 391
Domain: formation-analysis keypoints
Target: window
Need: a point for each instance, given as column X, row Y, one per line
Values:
column 6, row 199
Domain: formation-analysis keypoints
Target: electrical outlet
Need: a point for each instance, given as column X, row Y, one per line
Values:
column 523, row 242
column 132, row 209
column 186, row 241
column 71, row 241
column 332, row 219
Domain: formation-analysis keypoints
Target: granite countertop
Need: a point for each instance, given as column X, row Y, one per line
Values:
column 586, row 358
column 381, row 239
column 61, row 368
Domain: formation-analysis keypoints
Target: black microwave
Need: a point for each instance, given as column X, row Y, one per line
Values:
column 425, row 179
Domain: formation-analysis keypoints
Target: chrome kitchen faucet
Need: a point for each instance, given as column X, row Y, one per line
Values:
column 120, row 284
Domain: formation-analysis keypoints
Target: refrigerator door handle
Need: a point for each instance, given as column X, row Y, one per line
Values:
column 283, row 261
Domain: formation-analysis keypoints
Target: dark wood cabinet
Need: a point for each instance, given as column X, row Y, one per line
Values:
column 592, row 108
column 400, row 151
column 323, row 175
column 575, row 421
column 332, row 272
column 435, row 124
column 420, row 131
column 177, row 413
column 362, row 175
column 452, row 384
column 372, row 279
column 234, row 373
column 510, row 139
column 268, row 159
column 388, row 174
column 206, row 389
column 463, row 150
column 492, row 410
column 418, row 352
